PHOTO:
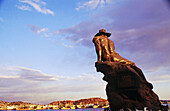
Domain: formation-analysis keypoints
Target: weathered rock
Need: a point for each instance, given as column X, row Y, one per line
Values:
column 127, row 87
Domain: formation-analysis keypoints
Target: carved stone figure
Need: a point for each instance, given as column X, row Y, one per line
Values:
column 127, row 86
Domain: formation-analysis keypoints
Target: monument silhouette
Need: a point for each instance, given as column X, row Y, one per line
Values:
column 127, row 86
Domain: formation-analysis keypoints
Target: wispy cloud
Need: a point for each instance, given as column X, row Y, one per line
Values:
column 44, row 33
column 26, row 84
column 80, row 34
column 92, row 4
column 42, row 30
column 65, row 45
column 37, row 29
column 23, row 73
column 38, row 5
column 35, row 75
column 23, row 7
column 159, row 78
column 158, row 74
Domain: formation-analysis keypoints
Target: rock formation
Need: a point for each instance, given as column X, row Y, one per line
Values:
column 127, row 86
column 126, row 89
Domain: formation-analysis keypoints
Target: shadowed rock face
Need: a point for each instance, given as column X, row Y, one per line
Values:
column 127, row 87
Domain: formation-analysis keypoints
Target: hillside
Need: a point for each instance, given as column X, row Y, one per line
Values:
column 82, row 101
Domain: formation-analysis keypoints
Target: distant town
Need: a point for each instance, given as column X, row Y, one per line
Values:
column 67, row 104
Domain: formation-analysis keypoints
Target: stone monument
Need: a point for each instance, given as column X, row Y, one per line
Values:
column 127, row 86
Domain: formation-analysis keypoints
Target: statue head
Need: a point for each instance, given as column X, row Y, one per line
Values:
column 103, row 32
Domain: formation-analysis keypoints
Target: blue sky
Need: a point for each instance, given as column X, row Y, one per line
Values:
column 47, row 53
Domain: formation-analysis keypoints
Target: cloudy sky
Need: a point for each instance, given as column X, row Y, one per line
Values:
column 47, row 53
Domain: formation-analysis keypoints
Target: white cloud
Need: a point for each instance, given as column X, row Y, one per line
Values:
column 42, row 30
column 92, row 4
column 38, row 5
column 89, row 4
column 36, row 29
column 24, row 7
column 40, row 1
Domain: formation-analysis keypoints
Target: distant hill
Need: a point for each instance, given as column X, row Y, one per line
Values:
column 18, row 103
column 14, row 103
column 3, row 102
column 67, row 104
column 82, row 101
column 76, row 102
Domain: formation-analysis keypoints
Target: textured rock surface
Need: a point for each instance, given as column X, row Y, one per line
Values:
column 127, row 87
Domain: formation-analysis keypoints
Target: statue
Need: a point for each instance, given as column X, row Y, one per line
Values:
column 127, row 86
column 105, row 48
